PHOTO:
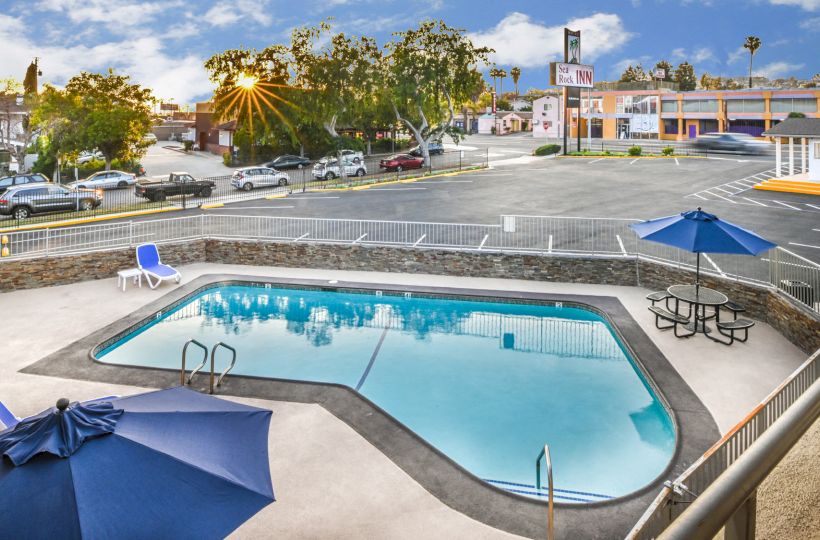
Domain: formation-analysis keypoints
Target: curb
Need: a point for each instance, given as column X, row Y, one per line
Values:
column 631, row 157
column 106, row 217
column 213, row 205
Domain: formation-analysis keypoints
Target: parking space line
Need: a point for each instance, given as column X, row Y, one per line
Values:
column 710, row 261
column 698, row 196
column 720, row 197
column 250, row 207
column 788, row 206
column 803, row 245
column 815, row 207
column 312, row 198
column 754, row 201
column 721, row 189
column 594, row 161
column 677, row 162
column 447, row 182
column 633, row 161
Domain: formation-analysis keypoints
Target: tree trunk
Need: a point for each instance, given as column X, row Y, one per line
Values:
column 751, row 57
column 107, row 163
column 368, row 146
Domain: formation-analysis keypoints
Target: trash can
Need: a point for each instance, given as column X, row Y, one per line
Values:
column 800, row 290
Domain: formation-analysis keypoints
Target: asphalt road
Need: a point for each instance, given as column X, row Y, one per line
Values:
column 520, row 184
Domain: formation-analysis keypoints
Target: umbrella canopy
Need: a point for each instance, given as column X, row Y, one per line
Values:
column 700, row 232
column 167, row 464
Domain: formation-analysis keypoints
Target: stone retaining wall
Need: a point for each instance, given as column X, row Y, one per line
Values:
column 61, row 270
column 796, row 322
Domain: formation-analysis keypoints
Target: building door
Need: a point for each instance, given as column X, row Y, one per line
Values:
column 693, row 131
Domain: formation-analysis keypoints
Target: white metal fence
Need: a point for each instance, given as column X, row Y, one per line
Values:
column 673, row 499
column 544, row 235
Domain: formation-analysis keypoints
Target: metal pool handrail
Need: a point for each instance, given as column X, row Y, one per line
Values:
column 184, row 354
column 230, row 366
column 548, row 462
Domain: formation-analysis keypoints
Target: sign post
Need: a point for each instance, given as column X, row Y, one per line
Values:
column 572, row 55
column 572, row 75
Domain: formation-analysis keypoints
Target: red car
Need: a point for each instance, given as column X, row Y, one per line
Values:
column 400, row 162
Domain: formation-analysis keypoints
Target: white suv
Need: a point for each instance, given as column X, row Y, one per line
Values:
column 328, row 168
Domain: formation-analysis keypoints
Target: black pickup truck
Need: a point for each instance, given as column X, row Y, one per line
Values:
column 178, row 183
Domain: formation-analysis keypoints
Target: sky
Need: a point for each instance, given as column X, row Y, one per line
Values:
column 164, row 43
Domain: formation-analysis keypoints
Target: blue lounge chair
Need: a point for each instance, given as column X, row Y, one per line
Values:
column 7, row 419
column 148, row 261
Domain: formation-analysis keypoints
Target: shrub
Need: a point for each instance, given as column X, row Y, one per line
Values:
column 226, row 159
column 668, row 151
column 188, row 145
column 635, row 150
column 547, row 150
column 607, row 153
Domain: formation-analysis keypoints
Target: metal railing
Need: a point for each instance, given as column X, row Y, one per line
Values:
column 182, row 380
column 677, row 495
column 229, row 368
column 545, row 453
column 790, row 273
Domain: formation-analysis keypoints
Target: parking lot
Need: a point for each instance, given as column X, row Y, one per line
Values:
column 517, row 183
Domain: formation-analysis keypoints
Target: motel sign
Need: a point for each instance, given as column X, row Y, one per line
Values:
column 577, row 75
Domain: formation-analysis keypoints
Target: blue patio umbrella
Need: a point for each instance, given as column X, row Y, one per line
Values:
column 167, row 464
column 699, row 232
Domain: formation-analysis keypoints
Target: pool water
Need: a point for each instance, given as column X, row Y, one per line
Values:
column 487, row 383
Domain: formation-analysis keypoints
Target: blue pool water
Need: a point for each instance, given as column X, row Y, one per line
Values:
column 486, row 383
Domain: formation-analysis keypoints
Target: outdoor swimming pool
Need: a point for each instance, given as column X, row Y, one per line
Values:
column 487, row 383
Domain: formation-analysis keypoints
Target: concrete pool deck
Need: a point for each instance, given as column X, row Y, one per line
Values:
column 329, row 480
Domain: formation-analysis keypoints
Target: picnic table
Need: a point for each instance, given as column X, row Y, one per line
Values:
column 698, row 298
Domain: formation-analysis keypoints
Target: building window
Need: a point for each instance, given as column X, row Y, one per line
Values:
column 749, row 127
column 670, row 127
column 708, row 126
column 669, row 106
column 700, row 105
column 788, row 105
column 745, row 105
column 817, row 150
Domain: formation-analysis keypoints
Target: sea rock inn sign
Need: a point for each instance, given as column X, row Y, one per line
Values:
column 577, row 75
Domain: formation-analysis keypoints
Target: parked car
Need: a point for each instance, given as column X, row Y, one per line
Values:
column 105, row 180
column 19, row 179
column 351, row 155
column 288, row 161
column 22, row 201
column 248, row 178
column 150, row 138
column 328, row 169
column 86, row 156
column 178, row 183
column 400, row 162
column 731, row 142
column 435, row 148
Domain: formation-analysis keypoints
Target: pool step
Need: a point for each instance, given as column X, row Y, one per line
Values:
column 558, row 494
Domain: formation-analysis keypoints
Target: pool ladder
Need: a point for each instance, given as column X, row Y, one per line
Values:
column 545, row 453
column 183, row 381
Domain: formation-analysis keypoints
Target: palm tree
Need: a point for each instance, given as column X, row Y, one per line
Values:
column 753, row 44
column 495, row 73
column 501, row 74
column 515, row 73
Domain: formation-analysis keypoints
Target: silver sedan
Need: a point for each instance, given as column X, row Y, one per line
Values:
column 248, row 178
column 106, row 180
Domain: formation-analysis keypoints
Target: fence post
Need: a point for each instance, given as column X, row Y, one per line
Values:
column 47, row 240
column 130, row 234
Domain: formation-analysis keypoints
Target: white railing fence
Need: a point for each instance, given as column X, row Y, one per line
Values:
column 544, row 235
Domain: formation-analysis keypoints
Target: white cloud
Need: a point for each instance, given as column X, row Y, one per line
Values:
column 701, row 54
column 808, row 5
column 183, row 30
column 519, row 40
column 229, row 12
column 144, row 59
column 118, row 13
column 738, row 54
column 774, row 70
column 812, row 25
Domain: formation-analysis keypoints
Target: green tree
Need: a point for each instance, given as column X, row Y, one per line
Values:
column 502, row 74
column 30, row 81
column 252, row 87
column 752, row 44
column 103, row 112
column 427, row 70
column 515, row 73
column 685, row 77
column 667, row 68
column 633, row 74
column 495, row 73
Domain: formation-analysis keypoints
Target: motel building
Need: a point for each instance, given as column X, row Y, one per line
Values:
column 669, row 115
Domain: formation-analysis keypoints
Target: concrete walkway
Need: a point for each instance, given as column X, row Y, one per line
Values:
column 329, row 481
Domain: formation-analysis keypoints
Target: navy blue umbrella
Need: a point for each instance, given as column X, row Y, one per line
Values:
column 167, row 464
column 700, row 232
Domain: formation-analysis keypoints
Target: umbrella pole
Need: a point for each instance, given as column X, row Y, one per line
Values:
column 697, row 274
